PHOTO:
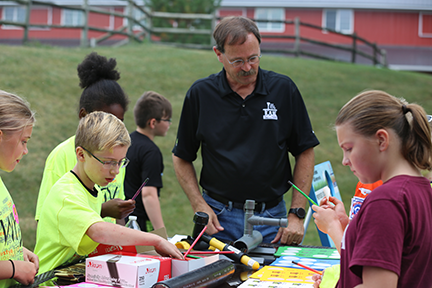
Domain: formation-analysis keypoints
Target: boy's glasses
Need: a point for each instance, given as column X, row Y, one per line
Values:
column 110, row 164
column 166, row 120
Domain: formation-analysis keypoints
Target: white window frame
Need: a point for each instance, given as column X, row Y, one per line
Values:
column 350, row 30
column 269, row 26
column 75, row 14
column 15, row 17
column 136, row 14
column 420, row 31
column 242, row 10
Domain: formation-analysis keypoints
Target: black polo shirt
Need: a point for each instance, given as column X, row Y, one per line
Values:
column 244, row 142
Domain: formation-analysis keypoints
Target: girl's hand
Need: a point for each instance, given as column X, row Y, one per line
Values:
column 324, row 218
column 317, row 278
column 31, row 257
column 340, row 211
column 25, row 272
column 117, row 208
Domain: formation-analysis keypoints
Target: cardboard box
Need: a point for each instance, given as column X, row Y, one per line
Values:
column 165, row 263
column 122, row 271
column 179, row 267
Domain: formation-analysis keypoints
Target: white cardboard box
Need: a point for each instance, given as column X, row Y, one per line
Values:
column 179, row 267
column 122, row 271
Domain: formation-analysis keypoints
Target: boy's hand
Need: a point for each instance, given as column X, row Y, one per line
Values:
column 117, row 208
column 167, row 249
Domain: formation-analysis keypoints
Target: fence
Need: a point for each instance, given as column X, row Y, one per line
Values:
column 377, row 56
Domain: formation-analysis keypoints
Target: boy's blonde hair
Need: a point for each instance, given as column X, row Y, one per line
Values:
column 99, row 131
column 15, row 113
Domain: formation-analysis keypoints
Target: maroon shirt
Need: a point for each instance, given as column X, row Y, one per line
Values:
column 393, row 231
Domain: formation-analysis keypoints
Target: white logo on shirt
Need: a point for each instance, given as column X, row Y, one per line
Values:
column 364, row 191
column 270, row 112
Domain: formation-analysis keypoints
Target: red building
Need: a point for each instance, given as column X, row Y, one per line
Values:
column 51, row 15
column 385, row 22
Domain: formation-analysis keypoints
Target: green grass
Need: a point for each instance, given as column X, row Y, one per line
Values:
column 47, row 78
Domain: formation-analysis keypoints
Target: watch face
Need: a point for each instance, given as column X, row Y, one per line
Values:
column 301, row 213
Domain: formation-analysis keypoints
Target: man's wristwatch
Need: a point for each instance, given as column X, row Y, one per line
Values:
column 300, row 212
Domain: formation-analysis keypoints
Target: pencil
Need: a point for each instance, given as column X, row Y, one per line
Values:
column 298, row 189
column 196, row 240
column 139, row 190
column 308, row 268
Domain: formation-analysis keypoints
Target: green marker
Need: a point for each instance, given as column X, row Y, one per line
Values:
column 192, row 256
column 298, row 189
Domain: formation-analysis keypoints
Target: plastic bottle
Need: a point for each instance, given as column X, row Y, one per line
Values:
column 133, row 223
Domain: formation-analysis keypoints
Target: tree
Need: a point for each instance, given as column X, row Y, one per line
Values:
column 184, row 6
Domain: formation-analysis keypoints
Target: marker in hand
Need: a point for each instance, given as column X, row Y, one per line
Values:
column 298, row 189
column 308, row 268
column 139, row 190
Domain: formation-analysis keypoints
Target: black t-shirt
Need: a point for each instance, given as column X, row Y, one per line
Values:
column 145, row 161
column 244, row 142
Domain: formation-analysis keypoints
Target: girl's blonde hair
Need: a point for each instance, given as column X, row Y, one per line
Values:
column 373, row 110
column 99, row 131
column 15, row 113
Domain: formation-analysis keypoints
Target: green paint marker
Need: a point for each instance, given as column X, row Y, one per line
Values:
column 298, row 189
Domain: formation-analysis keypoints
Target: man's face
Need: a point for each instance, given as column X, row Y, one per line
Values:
column 244, row 74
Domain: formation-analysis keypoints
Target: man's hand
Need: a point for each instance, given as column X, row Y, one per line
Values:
column 117, row 208
column 213, row 225
column 293, row 234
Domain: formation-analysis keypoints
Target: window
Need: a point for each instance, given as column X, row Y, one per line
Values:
column 72, row 17
column 425, row 25
column 270, row 14
column 341, row 20
column 14, row 14
column 38, row 15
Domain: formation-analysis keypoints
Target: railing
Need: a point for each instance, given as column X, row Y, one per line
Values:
column 378, row 56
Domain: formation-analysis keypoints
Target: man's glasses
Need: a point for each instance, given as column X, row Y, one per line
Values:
column 110, row 164
column 240, row 62
column 166, row 120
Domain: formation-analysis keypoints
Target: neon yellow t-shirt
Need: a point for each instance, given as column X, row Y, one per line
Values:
column 63, row 159
column 61, row 232
column 10, row 232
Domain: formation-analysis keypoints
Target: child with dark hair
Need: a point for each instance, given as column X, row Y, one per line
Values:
column 152, row 114
column 98, row 77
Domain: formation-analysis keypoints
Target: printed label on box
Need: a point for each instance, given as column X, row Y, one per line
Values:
column 122, row 271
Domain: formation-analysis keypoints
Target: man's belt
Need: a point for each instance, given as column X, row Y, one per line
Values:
column 238, row 205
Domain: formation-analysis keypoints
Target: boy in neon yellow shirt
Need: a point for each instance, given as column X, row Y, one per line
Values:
column 70, row 225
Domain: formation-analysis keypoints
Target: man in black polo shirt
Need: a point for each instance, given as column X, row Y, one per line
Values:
column 245, row 120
